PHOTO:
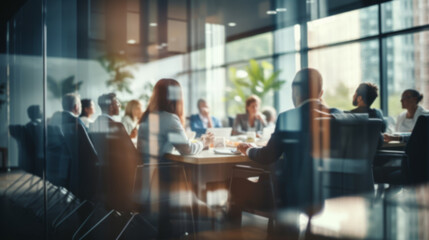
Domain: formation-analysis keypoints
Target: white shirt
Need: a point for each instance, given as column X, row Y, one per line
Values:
column 404, row 124
column 160, row 133
column 204, row 120
column 86, row 121
column 129, row 124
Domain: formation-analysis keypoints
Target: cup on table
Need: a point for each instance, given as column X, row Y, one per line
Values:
column 251, row 137
column 219, row 142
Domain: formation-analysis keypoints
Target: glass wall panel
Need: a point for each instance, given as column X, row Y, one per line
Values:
column 343, row 68
column 343, row 27
column 402, row 14
column 407, row 68
column 252, row 47
column 23, row 131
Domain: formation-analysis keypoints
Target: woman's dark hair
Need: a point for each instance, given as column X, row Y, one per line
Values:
column 86, row 103
column 166, row 96
column 416, row 94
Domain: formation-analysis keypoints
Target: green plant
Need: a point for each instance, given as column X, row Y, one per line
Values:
column 260, row 79
column 118, row 68
column 59, row 88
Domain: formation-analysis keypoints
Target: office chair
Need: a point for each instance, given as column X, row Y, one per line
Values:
column 413, row 168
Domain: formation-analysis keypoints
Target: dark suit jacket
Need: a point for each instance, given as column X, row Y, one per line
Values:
column 105, row 128
column 198, row 126
column 79, row 152
column 292, row 139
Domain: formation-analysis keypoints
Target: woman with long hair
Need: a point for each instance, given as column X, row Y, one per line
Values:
column 88, row 109
column 131, row 119
column 162, row 124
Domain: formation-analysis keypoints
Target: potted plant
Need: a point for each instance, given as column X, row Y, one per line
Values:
column 255, row 79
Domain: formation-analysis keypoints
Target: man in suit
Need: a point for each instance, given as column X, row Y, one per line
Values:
column 105, row 127
column 71, row 157
column 293, row 140
column 200, row 122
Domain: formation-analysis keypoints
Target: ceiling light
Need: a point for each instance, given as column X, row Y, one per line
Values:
column 271, row 12
column 132, row 41
column 281, row 9
column 153, row 24
column 232, row 24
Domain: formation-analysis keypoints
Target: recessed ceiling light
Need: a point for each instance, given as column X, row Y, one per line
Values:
column 271, row 12
column 132, row 41
column 281, row 9
column 232, row 24
column 153, row 24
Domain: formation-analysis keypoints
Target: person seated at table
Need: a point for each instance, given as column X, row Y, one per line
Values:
column 291, row 138
column 109, row 106
column 200, row 122
column 162, row 124
column 252, row 120
column 133, row 113
column 88, row 109
column 406, row 120
column 270, row 115
column 365, row 95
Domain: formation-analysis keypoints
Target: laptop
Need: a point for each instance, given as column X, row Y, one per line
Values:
column 220, row 132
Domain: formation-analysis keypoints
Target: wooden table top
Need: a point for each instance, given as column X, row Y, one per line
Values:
column 208, row 157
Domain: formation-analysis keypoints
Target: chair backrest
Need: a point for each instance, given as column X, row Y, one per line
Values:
column 252, row 189
column 118, row 169
column 26, row 149
column 417, row 150
column 58, row 157
column 343, row 163
column 163, row 191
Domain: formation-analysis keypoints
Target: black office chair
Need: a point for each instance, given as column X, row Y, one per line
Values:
column 165, row 200
column 26, row 160
column 342, row 162
column 119, row 163
column 344, row 166
column 251, row 190
column 413, row 166
column 79, row 156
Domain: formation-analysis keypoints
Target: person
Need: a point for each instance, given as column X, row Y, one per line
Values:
column 291, row 138
column 364, row 96
column 162, row 124
column 252, row 120
column 200, row 122
column 109, row 106
column 30, row 141
column 270, row 115
column 406, row 120
column 105, row 127
column 133, row 113
column 88, row 110
column 70, row 163
column 161, row 130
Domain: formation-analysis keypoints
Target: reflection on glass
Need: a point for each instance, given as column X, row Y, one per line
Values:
column 401, row 14
column 251, row 47
column 343, row 27
column 406, row 59
column 343, row 68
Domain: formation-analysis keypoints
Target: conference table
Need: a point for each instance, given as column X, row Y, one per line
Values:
column 209, row 169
